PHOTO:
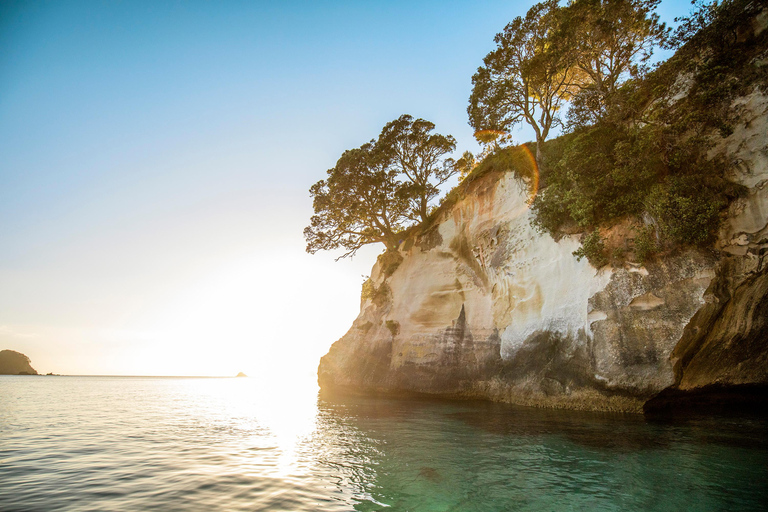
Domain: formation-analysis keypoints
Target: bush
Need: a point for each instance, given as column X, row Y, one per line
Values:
column 648, row 153
column 593, row 248
column 389, row 261
column 379, row 296
column 685, row 213
column 517, row 159
column 645, row 243
column 603, row 174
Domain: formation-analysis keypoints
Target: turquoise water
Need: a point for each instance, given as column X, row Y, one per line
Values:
column 111, row 443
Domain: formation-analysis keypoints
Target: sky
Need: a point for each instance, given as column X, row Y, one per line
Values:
column 155, row 161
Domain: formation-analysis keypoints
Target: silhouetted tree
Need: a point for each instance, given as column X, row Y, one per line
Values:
column 609, row 41
column 525, row 79
column 418, row 155
column 357, row 204
column 378, row 189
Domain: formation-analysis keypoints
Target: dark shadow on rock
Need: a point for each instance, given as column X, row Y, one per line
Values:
column 715, row 399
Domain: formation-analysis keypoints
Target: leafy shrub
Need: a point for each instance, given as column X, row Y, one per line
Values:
column 389, row 261
column 685, row 213
column 593, row 248
column 645, row 243
column 604, row 173
column 517, row 159
column 648, row 152
column 379, row 296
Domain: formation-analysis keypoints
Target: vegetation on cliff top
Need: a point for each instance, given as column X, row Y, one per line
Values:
column 637, row 143
column 648, row 154
column 554, row 55
column 375, row 191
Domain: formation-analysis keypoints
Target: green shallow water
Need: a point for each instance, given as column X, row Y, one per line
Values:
column 110, row 443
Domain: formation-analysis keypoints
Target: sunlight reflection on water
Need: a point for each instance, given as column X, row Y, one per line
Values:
column 92, row 443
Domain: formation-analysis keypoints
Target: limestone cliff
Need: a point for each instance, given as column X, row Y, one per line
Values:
column 482, row 305
column 15, row 363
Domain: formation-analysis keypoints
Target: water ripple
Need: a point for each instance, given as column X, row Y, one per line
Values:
column 224, row 444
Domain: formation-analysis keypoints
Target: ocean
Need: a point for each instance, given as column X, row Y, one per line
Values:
column 149, row 443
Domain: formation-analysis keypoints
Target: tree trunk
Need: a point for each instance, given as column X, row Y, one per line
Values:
column 392, row 242
column 539, row 143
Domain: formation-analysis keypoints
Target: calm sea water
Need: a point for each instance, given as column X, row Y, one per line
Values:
column 111, row 443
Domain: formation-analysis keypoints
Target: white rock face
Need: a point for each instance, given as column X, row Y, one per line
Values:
column 745, row 232
column 484, row 305
column 508, row 277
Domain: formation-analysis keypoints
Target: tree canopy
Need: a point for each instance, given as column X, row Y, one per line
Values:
column 357, row 204
column 610, row 41
column 556, row 54
column 375, row 191
column 417, row 155
column 525, row 79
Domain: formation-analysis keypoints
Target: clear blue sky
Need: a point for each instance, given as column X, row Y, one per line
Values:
column 155, row 159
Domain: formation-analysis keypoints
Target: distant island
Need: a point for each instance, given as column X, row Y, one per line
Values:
column 241, row 374
column 15, row 363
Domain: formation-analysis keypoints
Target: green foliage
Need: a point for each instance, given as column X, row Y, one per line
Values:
column 649, row 153
column 465, row 164
column 517, row 159
column 721, row 57
column 377, row 190
column 389, row 261
column 606, row 173
column 525, row 79
column 603, row 173
column 379, row 296
column 357, row 204
column 543, row 60
column 593, row 248
column 368, row 290
column 394, row 327
column 608, row 42
column 703, row 14
column 416, row 155
column 686, row 210
column 645, row 243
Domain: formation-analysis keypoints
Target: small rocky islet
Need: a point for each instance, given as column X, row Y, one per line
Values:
column 15, row 363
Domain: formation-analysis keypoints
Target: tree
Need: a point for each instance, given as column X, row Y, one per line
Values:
column 609, row 40
column 702, row 15
column 417, row 153
column 357, row 204
column 526, row 78
column 465, row 164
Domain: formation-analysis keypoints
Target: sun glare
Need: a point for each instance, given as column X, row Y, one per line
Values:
column 286, row 412
column 271, row 316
